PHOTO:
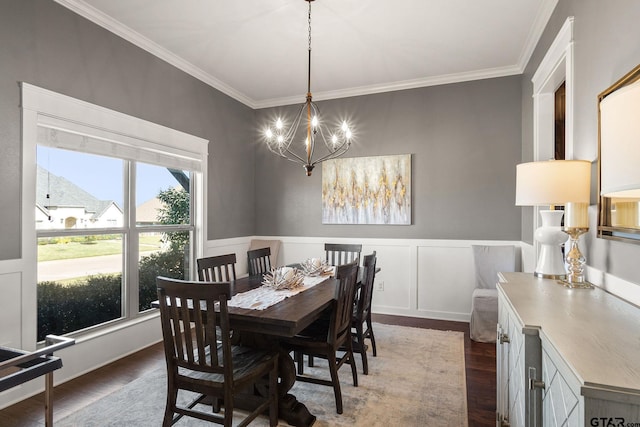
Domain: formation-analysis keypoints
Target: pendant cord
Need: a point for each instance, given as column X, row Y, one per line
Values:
column 309, row 142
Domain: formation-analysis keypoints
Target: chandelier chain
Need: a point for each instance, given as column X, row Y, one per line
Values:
column 309, row 21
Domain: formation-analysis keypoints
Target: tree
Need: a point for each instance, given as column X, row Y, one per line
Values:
column 175, row 210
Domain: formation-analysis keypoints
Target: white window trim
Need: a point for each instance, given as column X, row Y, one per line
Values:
column 44, row 107
column 556, row 67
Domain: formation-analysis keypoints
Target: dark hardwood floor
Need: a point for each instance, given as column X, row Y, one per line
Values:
column 480, row 362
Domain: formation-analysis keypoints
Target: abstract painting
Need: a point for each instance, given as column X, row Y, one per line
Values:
column 367, row 190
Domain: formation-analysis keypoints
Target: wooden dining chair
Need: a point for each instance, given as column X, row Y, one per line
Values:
column 341, row 253
column 325, row 337
column 259, row 261
column 221, row 268
column 201, row 358
column 362, row 324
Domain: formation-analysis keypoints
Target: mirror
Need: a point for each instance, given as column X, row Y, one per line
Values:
column 619, row 159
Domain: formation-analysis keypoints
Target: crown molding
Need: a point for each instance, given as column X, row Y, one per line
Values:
column 540, row 23
column 121, row 30
column 94, row 15
column 395, row 86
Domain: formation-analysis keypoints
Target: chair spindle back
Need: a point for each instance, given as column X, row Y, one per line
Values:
column 340, row 253
column 259, row 261
column 221, row 268
column 190, row 336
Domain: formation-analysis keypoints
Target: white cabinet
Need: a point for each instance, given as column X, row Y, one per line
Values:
column 518, row 359
column 565, row 357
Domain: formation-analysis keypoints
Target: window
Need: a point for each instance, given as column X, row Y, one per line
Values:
column 116, row 205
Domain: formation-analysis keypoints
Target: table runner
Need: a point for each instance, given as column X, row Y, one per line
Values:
column 265, row 296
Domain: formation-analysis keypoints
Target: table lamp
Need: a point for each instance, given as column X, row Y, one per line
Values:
column 551, row 183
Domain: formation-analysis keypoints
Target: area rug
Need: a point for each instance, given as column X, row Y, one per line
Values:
column 417, row 379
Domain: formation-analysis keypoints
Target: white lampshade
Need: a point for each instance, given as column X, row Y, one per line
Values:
column 620, row 143
column 553, row 182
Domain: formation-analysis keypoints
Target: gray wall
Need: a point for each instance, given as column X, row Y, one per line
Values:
column 465, row 139
column 45, row 44
column 606, row 47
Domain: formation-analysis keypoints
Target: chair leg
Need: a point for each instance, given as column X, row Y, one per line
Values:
column 228, row 408
column 333, row 369
column 352, row 361
column 299, row 356
column 172, row 395
column 362, row 348
column 310, row 361
column 371, row 336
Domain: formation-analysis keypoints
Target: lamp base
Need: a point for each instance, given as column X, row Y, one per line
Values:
column 549, row 276
column 575, row 261
column 576, row 285
column 550, row 236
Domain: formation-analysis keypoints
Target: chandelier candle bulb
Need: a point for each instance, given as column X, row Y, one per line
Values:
column 576, row 215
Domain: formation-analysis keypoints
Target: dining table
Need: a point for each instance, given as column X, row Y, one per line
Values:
column 285, row 318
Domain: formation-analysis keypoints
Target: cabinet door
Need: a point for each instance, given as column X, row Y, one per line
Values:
column 502, row 364
column 517, row 382
column 510, row 368
column 560, row 398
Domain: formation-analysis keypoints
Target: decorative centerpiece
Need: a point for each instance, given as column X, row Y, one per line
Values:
column 283, row 278
column 315, row 267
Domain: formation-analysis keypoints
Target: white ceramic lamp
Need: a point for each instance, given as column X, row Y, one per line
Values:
column 551, row 183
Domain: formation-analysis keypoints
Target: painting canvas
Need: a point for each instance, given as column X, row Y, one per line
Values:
column 367, row 190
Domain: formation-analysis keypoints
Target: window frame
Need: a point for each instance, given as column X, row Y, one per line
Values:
column 42, row 107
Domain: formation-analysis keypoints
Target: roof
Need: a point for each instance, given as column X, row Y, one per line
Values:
column 64, row 193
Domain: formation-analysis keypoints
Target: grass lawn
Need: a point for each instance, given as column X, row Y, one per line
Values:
column 73, row 250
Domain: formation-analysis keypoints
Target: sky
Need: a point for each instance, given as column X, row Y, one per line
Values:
column 102, row 176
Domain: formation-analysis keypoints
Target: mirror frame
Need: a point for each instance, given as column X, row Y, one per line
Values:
column 605, row 229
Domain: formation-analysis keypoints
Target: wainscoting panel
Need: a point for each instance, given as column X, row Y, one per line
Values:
column 418, row 277
column 445, row 282
column 395, row 286
column 237, row 245
column 10, row 309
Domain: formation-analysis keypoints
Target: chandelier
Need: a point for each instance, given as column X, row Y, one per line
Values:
column 284, row 139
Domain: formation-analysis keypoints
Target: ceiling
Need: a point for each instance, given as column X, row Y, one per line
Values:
column 256, row 50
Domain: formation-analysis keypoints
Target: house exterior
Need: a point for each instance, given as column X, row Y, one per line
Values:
column 60, row 204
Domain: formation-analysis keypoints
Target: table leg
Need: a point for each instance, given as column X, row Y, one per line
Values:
column 289, row 409
column 48, row 399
